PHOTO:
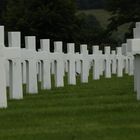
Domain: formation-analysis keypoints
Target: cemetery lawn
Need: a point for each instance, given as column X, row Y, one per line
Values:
column 100, row 110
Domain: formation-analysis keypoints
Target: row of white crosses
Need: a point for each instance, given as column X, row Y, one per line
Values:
column 20, row 66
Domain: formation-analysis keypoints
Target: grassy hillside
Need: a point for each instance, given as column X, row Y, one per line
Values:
column 100, row 110
column 103, row 17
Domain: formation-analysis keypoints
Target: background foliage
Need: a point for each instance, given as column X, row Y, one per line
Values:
column 90, row 4
column 67, row 20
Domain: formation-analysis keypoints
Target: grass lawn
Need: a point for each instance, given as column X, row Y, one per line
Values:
column 100, row 110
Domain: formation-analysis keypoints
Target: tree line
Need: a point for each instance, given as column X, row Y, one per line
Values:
column 90, row 4
column 60, row 20
column 54, row 19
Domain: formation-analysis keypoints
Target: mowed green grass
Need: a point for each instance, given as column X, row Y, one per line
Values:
column 100, row 110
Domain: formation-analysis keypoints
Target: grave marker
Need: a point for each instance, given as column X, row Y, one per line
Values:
column 44, row 56
column 58, row 64
column 107, row 62
column 120, row 59
column 29, row 56
column 114, row 62
column 84, row 64
column 71, row 63
column 96, row 63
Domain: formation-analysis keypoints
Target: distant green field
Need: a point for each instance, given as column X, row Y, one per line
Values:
column 103, row 17
column 100, row 110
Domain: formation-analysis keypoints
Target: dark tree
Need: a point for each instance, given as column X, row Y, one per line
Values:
column 2, row 8
column 54, row 19
column 123, row 11
column 90, row 4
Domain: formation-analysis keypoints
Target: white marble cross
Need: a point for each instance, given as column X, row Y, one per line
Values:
column 120, row 61
column 70, row 57
column 28, row 55
column 84, row 64
column 130, row 65
column 101, row 63
column 78, row 64
column 131, row 50
column 137, row 75
column 57, row 57
column 96, row 63
column 134, row 48
column 13, row 56
column 39, row 70
column 107, row 62
column 44, row 56
column 124, row 52
column 23, row 70
column 114, row 62
column 3, row 96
